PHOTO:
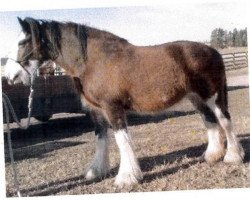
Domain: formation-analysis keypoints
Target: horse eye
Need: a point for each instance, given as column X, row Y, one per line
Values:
column 22, row 42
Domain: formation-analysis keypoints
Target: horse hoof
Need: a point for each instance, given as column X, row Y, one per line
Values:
column 213, row 157
column 90, row 175
column 233, row 159
column 93, row 174
column 234, row 156
column 125, row 180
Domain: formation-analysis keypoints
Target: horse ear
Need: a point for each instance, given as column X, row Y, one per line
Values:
column 34, row 27
column 24, row 25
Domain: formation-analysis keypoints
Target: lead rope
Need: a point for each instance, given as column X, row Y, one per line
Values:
column 9, row 109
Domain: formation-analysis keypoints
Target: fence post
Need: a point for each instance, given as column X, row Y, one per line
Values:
column 234, row 65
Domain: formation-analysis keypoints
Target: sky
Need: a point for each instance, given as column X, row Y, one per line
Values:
column 148, row 24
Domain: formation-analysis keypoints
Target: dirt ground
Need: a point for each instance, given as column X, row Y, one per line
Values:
column 233, row 50
column 51, row 157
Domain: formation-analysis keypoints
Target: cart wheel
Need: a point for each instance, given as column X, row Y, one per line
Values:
column 43, row 118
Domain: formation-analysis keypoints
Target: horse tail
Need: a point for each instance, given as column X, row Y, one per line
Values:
column 222, row 97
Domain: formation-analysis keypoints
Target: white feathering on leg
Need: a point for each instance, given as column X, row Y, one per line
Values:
column 235, row 152
column 129, row 171
column 100, row 165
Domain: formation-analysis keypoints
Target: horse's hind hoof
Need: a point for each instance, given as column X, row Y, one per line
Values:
column 234, row 156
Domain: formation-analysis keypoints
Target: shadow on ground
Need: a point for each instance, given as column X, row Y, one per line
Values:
column 231, row 88
column 61, row 128
column 39, row 151
column 40, row 139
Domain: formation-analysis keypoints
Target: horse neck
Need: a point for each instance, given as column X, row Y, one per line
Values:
column 72, row 68
column 100, row 46
column 70, row 58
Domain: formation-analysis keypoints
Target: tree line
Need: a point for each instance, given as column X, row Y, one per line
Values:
column 221, row 38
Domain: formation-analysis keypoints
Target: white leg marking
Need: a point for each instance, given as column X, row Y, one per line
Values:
column 235, row 152
column 11, row 70
column 100, row 164
column 129, row 171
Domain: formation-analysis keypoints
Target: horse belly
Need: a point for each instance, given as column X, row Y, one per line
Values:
column 152, row 102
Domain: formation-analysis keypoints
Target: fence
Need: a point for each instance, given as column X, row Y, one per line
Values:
column 235, row 60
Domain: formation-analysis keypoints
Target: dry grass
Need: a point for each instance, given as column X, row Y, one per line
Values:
column 51, row 157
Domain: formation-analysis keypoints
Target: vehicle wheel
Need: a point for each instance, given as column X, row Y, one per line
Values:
column 43, row 118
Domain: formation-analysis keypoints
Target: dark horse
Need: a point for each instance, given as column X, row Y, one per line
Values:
column 115, row 76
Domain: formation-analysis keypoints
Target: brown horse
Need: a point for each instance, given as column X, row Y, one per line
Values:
column 115, row 76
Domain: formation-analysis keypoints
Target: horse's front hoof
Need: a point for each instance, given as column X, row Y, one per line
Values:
column 213, row 157
column 93, row 174
column 126, row 179
column 90, row 175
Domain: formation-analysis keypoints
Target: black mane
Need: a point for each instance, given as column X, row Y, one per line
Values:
column 50, row 33
column 81, row 34
column 54, row 33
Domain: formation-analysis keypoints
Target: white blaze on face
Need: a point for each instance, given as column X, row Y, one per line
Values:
column 12, row 68
column 16, row 74
column 14, row 71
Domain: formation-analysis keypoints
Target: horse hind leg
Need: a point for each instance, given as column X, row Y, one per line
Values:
column 235, row 152
column 216, row 148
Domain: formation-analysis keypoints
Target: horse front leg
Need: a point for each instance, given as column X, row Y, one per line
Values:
column 99, row 167
column 129, row 171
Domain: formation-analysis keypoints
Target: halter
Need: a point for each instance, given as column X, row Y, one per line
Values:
column 23, row 60
column 52, row 53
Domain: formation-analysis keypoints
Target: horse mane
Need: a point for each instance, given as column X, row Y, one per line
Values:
column 52, row 38
column 49, row 33
column 81, row 34
column 31, row 25
column 54, row 32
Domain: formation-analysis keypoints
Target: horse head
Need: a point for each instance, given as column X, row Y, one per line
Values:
column 34, row 49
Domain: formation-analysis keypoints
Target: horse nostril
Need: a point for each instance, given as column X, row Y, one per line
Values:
column 15, row 77
column 10, row 82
